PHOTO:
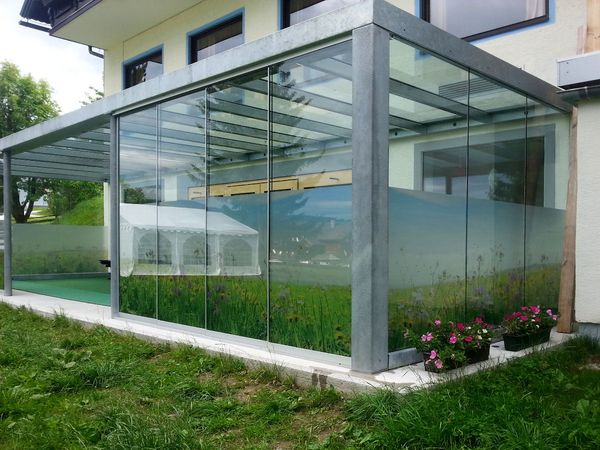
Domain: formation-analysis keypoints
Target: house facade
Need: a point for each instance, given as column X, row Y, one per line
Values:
column 322, row 176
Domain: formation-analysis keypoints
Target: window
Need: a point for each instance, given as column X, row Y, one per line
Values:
column 475, row 19
column 143, row 68
column 296, row 11
column 500, row 171
column 226, row 34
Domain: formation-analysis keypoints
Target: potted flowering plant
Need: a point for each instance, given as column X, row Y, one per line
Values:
column 442, row 347
column 527, row 327
column 477, row 338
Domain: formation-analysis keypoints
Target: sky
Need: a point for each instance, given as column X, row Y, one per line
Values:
column 66, row 66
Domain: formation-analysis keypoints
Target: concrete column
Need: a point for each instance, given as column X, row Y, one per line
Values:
column 370, row 154
column 7, row 225
column 114, row 216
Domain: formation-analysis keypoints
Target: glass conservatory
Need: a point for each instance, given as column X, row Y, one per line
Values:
column 323, row 189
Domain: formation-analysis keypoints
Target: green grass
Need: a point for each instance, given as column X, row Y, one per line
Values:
column 87, row 212
column 548, row 400
column 66, row 387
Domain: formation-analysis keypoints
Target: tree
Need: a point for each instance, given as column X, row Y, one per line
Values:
column 24, row 102
column 64, row 195
column 93, row 94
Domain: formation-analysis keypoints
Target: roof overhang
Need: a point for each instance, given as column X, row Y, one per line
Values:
column 315, row 33
column 105, row 23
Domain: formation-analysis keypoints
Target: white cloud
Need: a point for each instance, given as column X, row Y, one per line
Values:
column 66, row 66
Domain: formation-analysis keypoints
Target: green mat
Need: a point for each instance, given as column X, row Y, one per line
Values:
column 89, row 290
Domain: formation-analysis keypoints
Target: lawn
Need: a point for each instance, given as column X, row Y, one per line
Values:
column 65, row 386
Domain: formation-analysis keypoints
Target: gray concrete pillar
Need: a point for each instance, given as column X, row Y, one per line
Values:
column 370, row 154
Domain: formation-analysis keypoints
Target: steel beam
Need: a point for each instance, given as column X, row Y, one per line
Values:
column 113, row 231
column 370, row 155
column 7, row 224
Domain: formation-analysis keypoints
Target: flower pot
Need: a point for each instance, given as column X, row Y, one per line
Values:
column 514, row 343
column 475, row 355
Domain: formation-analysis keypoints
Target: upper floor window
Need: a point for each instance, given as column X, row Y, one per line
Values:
column 475, row 19
column 143, row 68
column 217, row 38
column 296, row 11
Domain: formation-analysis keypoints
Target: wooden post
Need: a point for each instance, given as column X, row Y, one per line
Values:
column 592, row 40
column 566, row 299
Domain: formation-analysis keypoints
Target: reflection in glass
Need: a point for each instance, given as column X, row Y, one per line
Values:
column 237, row 206
column 311, row 201
column 138, row 213
column 546, row 175
column 181, row 217
column 427, row 213
column 468, row 18
column 217, row 39
column 496, row 211
column 144, row 69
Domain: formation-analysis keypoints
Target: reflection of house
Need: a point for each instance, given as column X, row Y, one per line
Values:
column 180, row 246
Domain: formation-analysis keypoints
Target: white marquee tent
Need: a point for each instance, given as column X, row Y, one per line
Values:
column 180, row 248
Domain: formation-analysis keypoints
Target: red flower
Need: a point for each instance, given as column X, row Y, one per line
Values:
column 468, row 339
column 460, row 326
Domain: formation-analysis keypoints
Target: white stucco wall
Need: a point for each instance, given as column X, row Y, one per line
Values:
column 587, row 304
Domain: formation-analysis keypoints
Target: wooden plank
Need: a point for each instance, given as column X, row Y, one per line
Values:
column 592, row 41
column 566, row 299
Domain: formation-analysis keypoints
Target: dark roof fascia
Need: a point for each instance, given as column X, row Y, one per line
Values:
column 74, row 15
column 32, row 10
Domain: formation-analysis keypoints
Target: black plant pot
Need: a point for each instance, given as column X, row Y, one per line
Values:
column 475, row 355
column 514, row 343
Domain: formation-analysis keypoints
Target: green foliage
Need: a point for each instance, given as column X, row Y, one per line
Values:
column 302, row 315
column 64, row 195
column 63, row 386
column 546, row 400
column 24, row 102
column 85, row 212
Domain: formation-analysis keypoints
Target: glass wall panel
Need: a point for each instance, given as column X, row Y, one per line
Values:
column 496, row 211
column 2, row 234
column 546, row 181
column 427, row 185
column 181, row 210
column 237, row 206
column 311, row 201
column 138, row 212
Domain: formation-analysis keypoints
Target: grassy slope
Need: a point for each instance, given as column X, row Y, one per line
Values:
column 88, row 212
column 62, row 386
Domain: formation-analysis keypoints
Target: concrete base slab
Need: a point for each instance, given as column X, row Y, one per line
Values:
column 306, row 372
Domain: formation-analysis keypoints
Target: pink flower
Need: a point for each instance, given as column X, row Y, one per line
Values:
column 452, row 339
column 427, row 337
column 549, row 312
column 478, row 320
column 437, row 323
column 517, row 314
column 460, row 326
column 524, row 319
column 538, row 319
column 468, row 339
column 439, row 364
column 524, row 308
column 433, row 354
column 535, row 309
column 554, row 317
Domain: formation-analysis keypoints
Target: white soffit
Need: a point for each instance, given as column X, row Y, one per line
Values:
column 113, row 21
